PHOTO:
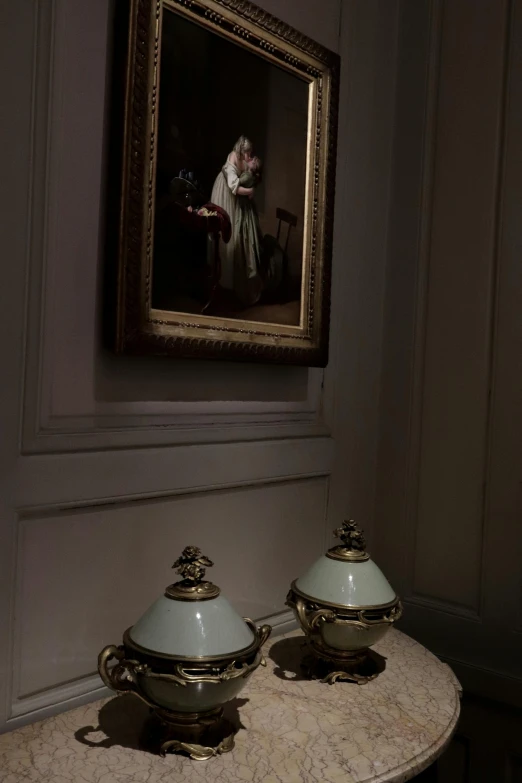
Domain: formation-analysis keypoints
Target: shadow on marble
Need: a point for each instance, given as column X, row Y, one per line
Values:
column 290, row 656
column 294, row 661
column 121, row 720
column 128, row 722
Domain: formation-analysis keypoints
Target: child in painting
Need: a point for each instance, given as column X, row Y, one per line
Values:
column 247, row 220
column 251, row 177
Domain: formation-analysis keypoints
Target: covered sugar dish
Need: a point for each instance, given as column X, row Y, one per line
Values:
column 344, row 604
column 187, row 656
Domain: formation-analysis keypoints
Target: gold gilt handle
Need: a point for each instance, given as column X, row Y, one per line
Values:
column 317, row 618
column 261, row 633
column 310, row 621
column 121, row 677
column 117, row 678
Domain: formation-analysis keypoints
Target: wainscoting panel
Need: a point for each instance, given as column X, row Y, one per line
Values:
column 107, row 564
column 460, row 298
column 449, row 498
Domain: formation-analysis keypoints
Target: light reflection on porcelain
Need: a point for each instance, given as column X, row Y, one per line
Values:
column 357, row 584
column 214, row 629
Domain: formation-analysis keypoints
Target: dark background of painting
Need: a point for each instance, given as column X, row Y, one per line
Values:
column 211, row 92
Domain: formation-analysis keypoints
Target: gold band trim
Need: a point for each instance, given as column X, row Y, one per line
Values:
column 201, row 592
column 350, row 607
column 347, row 555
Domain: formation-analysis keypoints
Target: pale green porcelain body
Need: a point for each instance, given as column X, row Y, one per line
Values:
column 349, row 637
column 193, row 629
column 358, row 602
column 194, row 697
column 346, row 584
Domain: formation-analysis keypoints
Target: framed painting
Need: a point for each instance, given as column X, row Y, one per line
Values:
column 227, row 184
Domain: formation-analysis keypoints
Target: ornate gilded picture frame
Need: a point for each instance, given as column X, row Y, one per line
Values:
column 227, row 184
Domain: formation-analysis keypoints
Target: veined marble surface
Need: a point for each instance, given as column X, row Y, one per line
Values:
column 292, row 730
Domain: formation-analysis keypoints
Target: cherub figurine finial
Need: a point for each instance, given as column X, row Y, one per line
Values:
column 351, row 536
column 191, row 565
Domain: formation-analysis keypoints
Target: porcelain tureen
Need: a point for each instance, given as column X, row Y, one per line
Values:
column 187, row 656
column 344, row 605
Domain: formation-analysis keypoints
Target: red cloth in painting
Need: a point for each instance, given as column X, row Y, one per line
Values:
column 226, row 226
column 210, row 224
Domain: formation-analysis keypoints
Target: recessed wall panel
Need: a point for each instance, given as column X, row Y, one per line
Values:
column 87, row 575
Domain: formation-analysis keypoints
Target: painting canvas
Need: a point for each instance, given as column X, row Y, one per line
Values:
column 227, row 194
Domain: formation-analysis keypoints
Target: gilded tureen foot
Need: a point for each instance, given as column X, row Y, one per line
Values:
column 360, row 679
column 198, row 752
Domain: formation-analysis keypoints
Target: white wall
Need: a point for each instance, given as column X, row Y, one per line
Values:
column 108, row 466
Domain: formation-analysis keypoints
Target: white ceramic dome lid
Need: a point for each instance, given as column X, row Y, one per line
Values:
column 192, row 619
column 346, row 576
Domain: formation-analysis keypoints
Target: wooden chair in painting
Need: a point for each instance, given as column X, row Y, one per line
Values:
column 276, row 256
column 291, row 222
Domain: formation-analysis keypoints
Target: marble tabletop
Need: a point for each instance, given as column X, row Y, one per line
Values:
column 291, row 729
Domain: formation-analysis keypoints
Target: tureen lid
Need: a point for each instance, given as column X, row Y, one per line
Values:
column 192, row 619
column 346, row 575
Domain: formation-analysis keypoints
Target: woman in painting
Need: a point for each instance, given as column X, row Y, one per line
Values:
column 240, row 258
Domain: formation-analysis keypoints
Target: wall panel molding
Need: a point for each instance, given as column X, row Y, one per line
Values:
column 25, row 56
column 427, row 178
column 461, row 302
column 60, row 480
column 407, row 281
column 449, row 496
column 503, row 578
column 452, row 364
column 140, row 424
column 447, row 607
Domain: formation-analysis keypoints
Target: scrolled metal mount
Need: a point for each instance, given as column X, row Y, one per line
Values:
column 122, row 677
column 261, row 633
column 341, row 676
column 299, row 606
column 185, row 675
column 198, row 752
column 320, row 616
column 312, row 616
